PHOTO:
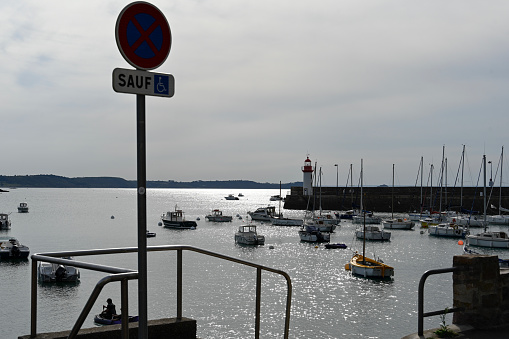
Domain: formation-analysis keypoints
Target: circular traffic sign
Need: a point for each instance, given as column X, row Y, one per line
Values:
column 143, row 35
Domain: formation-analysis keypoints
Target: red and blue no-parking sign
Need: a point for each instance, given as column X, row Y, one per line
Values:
column 143, row 35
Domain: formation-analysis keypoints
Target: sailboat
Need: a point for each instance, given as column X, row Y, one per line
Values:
column 363, row 266
column 396, row 223
column 487, row 238
column 500, row 219
column 279, row 220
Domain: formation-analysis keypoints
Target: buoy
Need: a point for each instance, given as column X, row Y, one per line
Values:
column 198, row 218
column 160, row 223
column 271, row 247
column 112, row 217
column 422, row 232
column 460, row 242
column 316, row 246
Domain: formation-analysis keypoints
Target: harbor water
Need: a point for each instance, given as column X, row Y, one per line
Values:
column 327, row 301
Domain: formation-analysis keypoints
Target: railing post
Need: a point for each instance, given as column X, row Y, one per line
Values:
column 258, row 301
column 33, row 301
column 124, row 308
column 179, row 284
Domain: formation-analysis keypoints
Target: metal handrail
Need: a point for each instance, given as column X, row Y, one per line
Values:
column 123, row 275
column 421, row 315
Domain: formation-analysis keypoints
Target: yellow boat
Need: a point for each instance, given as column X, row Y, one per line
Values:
column 369, row 268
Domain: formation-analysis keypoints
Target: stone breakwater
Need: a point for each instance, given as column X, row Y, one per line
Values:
column 406, row 199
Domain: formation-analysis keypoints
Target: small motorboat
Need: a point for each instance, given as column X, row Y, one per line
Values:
column 337, row 245
column 5, row 223
column 23, row 207
column 50, row 272
column 217, row 216
column 247, row 235
column 231, row 197
column 117, row 319
column 175, row 219
column 11, row 248
column 150, row 234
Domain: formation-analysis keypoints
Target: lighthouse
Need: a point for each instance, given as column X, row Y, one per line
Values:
column 307, row 181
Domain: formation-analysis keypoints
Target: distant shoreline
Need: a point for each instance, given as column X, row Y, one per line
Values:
column 55, row 181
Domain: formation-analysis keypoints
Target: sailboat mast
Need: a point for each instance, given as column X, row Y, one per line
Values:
column 422, row 168
column 392, row 194
column 431, row 189
column 500, row 190
column 462, row 170
column 351, row 183
column 484, row 189
column 364, row 222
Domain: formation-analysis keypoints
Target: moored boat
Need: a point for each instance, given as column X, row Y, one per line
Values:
column 217, row 216
column 369, row 268
column 309, row 233
column 263, row 213
column 51, row 272
column 23, row 207
column 280, row 221
column 446, row 230
column 398, row 223
column 231, row 197
column 5, row 223
column 247, row 235
column 372, row 232
column 11, row 248
column 176, row 219
column 336, row 245
column 489, row 239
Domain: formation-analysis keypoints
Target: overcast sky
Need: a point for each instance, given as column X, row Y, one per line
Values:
column 259, row 85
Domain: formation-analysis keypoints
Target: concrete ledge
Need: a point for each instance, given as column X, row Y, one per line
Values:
column 431, row 333
column 168, row 328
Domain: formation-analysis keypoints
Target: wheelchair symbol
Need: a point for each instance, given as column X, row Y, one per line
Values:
column 161, row 84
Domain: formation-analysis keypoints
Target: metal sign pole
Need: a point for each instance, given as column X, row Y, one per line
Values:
column 142, row 217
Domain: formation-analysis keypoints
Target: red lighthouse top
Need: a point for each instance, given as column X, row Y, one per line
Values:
column 307, row 166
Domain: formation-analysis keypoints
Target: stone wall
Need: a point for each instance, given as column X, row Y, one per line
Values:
column 482, row 290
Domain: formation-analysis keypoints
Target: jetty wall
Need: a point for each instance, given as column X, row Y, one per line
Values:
column 482, row 290
column 406, row 199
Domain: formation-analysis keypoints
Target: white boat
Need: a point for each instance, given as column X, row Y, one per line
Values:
column 321, row 225
column 310, row 233
column 365, row 267
column 372, row 233
column 327, row 219
column 11, row 248
column 175, row 219
column 280, row 221
column 264, row 213
column 241, row 195
column 369, row 218
column 23, row 207
column 276, row 197
column 217, row 216
column 369, row 268
column 50, row 272
column 231, row 197
column 489, row 239
column 5, row 223
column 247, row 235
column 446, row 230
column 398, row 224
column 471, row 221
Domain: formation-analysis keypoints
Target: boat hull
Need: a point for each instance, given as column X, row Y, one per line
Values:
column 314, row 236
column 103, row 321
column 398, row 225
column 287, row 222
column 446, row 231
column 179, row 224
column 492, row 240
column 374, row 236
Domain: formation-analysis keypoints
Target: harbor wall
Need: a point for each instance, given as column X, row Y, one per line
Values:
column 482, row 290
column 166, row 328
column 406, row 198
